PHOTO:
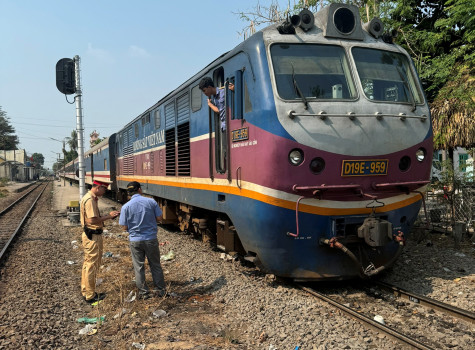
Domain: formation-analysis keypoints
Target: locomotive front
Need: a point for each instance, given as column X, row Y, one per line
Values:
column 360, row 145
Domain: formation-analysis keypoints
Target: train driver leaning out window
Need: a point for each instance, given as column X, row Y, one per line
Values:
column 216, row 98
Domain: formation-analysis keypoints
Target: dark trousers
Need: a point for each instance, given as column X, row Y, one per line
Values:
column 149, row 249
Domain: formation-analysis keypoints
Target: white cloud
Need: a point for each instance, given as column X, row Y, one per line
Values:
column 135, row 51
column 100, row 54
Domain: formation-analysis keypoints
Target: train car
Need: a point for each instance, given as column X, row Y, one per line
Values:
column 100, row 162
column 70, row 170
column 319, row 168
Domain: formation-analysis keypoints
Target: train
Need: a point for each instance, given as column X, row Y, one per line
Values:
column 320, row 168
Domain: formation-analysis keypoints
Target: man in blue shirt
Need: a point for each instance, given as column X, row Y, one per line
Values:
column 216, row 98
column 139, row 217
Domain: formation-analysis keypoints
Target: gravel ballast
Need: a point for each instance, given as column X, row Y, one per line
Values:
column 214, row 302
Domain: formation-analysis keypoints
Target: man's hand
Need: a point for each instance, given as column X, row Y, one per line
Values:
column 114, row 214
column 212, row 106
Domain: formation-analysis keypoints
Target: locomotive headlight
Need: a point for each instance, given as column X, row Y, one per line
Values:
column 344, row 20
column 420, row 154
column 296, row 157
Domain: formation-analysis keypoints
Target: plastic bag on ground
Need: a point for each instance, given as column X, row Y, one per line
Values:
column 87, row 329
column 91, row 320
column 131, row 297
column 169, row 256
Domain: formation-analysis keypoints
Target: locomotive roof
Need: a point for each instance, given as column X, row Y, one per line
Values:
column 320, row 32
column 201, row 73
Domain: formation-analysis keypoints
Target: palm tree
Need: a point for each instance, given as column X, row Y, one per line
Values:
column 73, row 141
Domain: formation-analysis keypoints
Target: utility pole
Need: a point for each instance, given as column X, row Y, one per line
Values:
column 80, row 131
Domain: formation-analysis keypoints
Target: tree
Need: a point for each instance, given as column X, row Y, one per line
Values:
column 38, row 160
column 73, row 141
column 8, row 141
column 99, row 140
column 274, row 13
column 453, row 108
column 440, row 36
column 73, row 146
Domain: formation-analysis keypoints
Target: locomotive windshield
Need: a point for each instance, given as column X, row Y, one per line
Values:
column 386, row 76
column 312, row 71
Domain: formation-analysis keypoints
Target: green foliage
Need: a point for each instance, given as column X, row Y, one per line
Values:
column 3, row 181
column 439, row 35
column 70, row 155
column 8, row 141
column 73, row 141
column 38, row 160
column 453, row 179
column 99, row 140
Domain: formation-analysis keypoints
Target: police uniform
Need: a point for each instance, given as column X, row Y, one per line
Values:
column 92, row 247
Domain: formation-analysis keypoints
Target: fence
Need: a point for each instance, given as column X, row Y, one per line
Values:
column 446, row 207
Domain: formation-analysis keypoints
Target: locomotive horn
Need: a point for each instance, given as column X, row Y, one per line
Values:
column 375, row 27
column 295, row 20
column 307, row 19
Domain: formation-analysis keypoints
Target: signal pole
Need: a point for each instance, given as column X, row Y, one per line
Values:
column 80, row 131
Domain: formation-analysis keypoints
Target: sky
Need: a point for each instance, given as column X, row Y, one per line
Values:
column 132, row 53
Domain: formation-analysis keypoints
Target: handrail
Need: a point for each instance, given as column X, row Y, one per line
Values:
column 323, row 115
column 325, row 187
column 397, row 184
column 210, row 152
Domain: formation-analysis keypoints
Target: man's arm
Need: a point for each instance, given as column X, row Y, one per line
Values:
column 98, row 220
column 212, row 106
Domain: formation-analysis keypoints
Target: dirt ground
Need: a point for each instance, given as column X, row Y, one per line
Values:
column 190, row 320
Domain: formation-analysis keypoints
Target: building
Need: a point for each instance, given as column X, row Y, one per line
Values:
column 15, row 166
column 463, row 163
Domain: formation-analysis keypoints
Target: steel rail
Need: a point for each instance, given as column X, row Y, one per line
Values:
column 7, row 244
column 428, row 302
column 368, row 321
column 19, row 199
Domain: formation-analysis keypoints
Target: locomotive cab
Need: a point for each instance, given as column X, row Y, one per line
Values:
column 361, row 147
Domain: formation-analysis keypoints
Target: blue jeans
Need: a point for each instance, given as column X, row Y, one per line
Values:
column 149, row 249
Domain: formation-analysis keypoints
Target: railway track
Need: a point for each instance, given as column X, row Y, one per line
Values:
column 14, row 216
column 404, row 333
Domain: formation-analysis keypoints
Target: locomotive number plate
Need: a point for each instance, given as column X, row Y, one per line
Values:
column 364, row 167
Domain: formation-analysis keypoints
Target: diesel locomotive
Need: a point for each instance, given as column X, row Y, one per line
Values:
column 319, row 169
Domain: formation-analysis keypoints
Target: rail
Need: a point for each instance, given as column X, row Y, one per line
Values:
column 368, row 321
column 10, row 218
column 428, row 302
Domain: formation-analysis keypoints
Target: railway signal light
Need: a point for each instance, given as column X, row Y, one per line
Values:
column 65, row 76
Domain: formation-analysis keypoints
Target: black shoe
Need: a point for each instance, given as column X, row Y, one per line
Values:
column 96, row 297
column 144, row 296
column 160, row 293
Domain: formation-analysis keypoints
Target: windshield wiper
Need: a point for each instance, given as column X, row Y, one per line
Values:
column 406, row 85
column 296, row 86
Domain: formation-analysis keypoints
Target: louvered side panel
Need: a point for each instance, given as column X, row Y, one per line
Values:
column 170, row 153
column 128, row 153
column 183, row 109
column 170, row 158
column 183, row 135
